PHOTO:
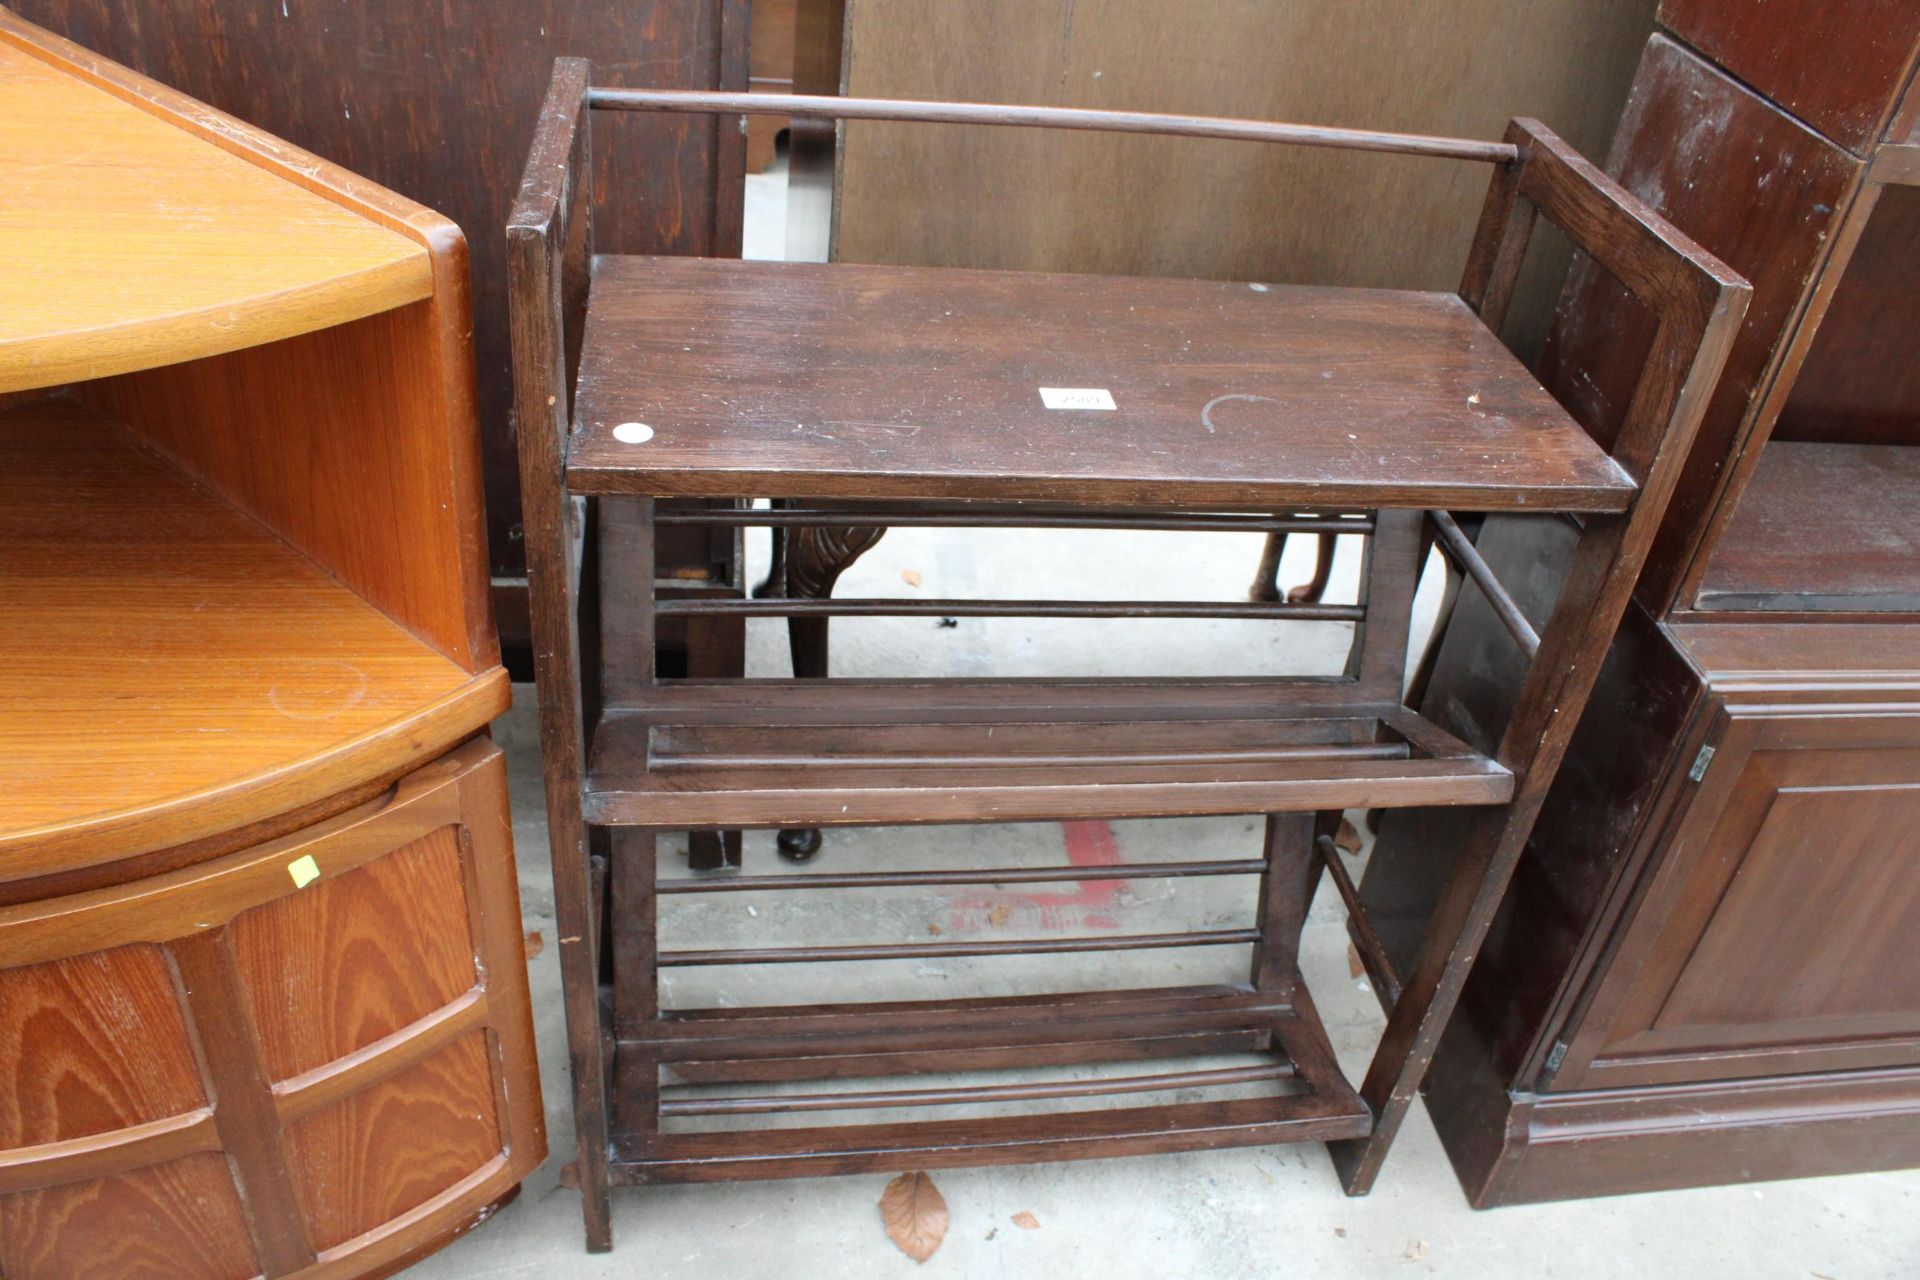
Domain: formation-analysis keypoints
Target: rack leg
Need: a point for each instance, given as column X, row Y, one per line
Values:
column 634, row 920
column 1286, row 887
column 1431, row 990
column 586, row 1043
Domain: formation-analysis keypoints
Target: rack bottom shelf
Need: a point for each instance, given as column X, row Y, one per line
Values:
column 659, row 1076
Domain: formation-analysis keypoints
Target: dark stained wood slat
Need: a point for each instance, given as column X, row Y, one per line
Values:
column 1073, row 1135
column 775, row 1104
column 1326, row 1109
column 821, row 107
column 802, row 380
column 1094, row 757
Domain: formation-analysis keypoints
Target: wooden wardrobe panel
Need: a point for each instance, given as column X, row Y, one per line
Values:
column 367, row 1160
column 351, row 960
column 159, row 1223
column 1038, row 200
column 1810, row 832
column 437, row 101
column 1854, row 851
column 91, row 1044
column 1861, row 380
column 1757, row 189
column 1843, row 92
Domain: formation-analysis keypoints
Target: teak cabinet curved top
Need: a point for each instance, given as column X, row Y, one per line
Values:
column 134, row 243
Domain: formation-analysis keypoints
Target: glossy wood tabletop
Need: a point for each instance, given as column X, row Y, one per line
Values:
column 790, row 380
column 172, row 668
column 130, row 242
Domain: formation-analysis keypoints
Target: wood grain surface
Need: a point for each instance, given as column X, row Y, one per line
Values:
column 357, row 958
column 159, row 1223
column 1806, row 504
column 794, row 379
column 367, row 1160
column 1860, row 383
column 380, row 1150
column 92, row 1043
column 134, row 243
column 342, row 442
column 1847, row 92
column 1759, row 190
column 438, row 101
column 173, row 669
column 1168, row 207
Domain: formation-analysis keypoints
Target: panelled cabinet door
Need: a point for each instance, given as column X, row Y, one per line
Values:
column 308, row 1058
column 1777, row 936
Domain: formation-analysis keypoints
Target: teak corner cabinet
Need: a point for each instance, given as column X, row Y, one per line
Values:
column 263, row 1002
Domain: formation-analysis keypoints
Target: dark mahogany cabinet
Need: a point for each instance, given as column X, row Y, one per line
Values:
column 1705, row 969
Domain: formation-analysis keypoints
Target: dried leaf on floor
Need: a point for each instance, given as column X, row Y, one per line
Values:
column 934, row 929
column 1026, row 1221
column 1355, row 969
column 999, row 914
column 915, row 1215
column 535, row 943
column 910, row 576
column 1347, row 840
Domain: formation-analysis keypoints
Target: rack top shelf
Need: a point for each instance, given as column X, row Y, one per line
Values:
column 799, row 380
column 132, row 242
column 170, row 669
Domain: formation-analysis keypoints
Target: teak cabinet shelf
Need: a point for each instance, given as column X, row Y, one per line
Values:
column 263, row 1006
column 853, row 397
column 1704, row 970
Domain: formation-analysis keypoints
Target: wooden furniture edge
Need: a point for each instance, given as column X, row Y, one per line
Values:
column 226, row 325
column 232, row 135
column 394, row 749
column 446, row 288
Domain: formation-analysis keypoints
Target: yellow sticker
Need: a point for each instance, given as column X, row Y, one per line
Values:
column 304, row 871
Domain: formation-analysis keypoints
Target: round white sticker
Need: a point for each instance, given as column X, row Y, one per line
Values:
column 633, row 433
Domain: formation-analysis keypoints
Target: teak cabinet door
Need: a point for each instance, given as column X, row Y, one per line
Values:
column 305, row 1058
column 1776, row 935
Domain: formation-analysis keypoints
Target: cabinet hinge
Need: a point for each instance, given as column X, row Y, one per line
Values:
column 1700, row 763
column 1557, row 1055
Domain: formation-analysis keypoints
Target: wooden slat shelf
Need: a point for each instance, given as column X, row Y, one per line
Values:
column 173, row 669
column 131, row 242
column 863, row 1040
column 847, row 753
column 1806, row 500
column 800, row 380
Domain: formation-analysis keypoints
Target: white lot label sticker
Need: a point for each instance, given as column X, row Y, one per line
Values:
column 1077, row 398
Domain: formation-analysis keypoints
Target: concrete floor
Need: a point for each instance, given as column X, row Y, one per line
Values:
column 1268, row 1212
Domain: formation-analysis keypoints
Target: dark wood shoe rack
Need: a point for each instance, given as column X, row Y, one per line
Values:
column 898, row 396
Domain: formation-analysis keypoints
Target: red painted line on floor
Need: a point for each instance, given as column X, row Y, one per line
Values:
column 1088, row 844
